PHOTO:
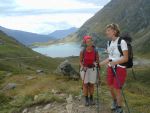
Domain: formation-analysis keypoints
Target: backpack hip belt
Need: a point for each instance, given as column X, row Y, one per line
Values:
column 89, row 66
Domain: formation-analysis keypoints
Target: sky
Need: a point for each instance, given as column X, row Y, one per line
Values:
column 46, row 16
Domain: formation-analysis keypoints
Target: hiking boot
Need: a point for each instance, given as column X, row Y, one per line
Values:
column 114, row 105
column 119, row 110
column 86, row 101
column 91, row 100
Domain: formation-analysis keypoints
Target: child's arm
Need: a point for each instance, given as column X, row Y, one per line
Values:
column 97, row 57
column 81, row 58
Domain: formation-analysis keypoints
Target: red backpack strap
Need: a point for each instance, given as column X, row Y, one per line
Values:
column 83, row 54
column 96, row 54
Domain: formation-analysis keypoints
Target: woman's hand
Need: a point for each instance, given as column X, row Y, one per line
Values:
column 106, row 61
column 112, row 63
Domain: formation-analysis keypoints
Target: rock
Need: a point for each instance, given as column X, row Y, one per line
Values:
column 69, row 108
column 48, row 106
column 25, row 111
column 8, row 74
column 2, row 42
column 69, row 99
column 39, row 71
column 35, row 97
column 31, row 77
column 69, row 104
column 54, row 91
column 10, row 86
column 62, row 95
column 66, row 69
column 37, row 110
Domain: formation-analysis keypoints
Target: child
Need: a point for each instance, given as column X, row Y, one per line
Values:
column 88, row 57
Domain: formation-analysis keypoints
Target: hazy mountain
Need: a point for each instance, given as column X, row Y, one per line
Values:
column 59, row 34
column 133, row 16
column 26, row 38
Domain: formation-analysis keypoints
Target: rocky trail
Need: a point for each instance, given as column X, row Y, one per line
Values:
column 70, row 106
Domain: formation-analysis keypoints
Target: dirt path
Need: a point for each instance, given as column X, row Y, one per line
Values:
column 76, row 106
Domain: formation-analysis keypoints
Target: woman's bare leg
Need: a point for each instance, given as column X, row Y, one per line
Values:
column 119, row 97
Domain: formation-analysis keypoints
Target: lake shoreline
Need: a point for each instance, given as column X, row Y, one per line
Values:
column 59, row 50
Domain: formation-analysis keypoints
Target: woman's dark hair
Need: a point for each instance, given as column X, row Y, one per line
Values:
column 114, row 27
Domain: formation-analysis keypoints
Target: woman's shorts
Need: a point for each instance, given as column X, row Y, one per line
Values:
column 113, row 81
column 89, row 75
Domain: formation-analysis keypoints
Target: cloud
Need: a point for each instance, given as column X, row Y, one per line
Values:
column 45, row 16
column 98, row 2
column 29, row 7
column 47, row 11
column 45, row 23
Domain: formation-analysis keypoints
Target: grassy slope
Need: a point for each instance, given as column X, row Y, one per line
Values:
column 12, row 49
column 137, row 91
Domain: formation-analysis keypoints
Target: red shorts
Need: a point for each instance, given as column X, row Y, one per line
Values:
column 121, row 75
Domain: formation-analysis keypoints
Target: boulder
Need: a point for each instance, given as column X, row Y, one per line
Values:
column 31, row 77
column 40, row 72
column 25, row 111
column 65, row 68
column 10, row 86
column 48, row 106
column 35, row 97
column 2, row 42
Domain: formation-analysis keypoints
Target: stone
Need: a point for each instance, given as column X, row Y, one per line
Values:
column 39, row 72
column 31, row 77
column 65, row 68
column 25, row 111
column 54, row 91
column 69, row 104
column 48, row 106
column 35, row 97
column 10, row 86
column 69, row 99
column 69, row 108
column 8, row 74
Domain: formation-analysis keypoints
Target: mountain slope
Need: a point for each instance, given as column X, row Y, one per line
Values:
column 11, row 51
column 132, row 15
column 59, row 34
column 26, row 37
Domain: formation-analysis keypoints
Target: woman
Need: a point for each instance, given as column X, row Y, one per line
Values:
column 115, row 59
column 88, row 58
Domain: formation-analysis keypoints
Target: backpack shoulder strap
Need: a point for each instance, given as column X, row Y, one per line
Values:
column 96, row 53
column 83, row 53
column 109, row 42
column 119, row 47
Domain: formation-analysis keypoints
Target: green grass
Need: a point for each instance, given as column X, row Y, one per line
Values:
column 41, row 86
column 12, row 49
column 136, row 91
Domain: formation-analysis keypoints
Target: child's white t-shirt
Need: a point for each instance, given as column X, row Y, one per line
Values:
column 113, row 51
